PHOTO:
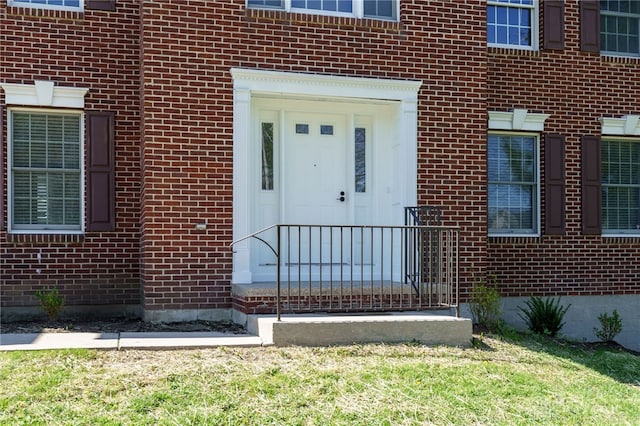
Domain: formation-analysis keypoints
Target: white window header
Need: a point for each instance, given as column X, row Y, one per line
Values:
column 45, row 94
column 518, row 119
column 627, row 125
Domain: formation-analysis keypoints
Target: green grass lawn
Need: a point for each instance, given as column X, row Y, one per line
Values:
column 522, row 381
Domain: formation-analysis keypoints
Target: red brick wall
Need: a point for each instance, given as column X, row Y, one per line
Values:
column 188, row 50
column 577, row 89
column 98, row 50
column 179, row 126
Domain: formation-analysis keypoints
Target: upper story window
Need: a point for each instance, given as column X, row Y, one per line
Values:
column 512, row 166
column 45, row 173
column 376, row 9
column 620, row 27
column 75, row 5
column 512, row 23
column 620, row 186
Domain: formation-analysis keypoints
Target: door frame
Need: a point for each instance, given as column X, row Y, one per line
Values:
column 248, row 83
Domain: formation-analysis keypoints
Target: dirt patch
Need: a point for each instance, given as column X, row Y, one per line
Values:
column 116, row 325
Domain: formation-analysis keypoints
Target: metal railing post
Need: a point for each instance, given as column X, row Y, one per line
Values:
column 278, row 282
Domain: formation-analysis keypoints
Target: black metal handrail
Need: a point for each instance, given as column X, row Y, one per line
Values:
column 360, row 268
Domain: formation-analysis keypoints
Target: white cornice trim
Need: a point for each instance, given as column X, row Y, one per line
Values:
column 627, row 125
column 44, row 93
column 275, row 82
column 518, row 119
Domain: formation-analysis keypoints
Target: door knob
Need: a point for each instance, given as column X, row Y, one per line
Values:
column 341, row 198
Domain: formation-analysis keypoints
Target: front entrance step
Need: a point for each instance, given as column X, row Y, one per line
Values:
column 330, row 329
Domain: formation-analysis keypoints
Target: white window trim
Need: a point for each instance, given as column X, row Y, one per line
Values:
column 357, row 6
column 43, row 230
column 535, row 25
column 537, row 222
column 517, row 120
column 26, row 4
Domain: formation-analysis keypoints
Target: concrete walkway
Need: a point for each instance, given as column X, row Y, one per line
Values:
column 125, row 340
column 264, row 330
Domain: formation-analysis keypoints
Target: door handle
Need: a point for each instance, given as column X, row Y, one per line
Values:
column 341, row 198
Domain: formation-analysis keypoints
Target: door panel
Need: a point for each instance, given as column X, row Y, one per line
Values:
column 315, row 185
column 315, row 170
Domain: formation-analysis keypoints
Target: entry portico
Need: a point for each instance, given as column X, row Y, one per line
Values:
column 331, row 113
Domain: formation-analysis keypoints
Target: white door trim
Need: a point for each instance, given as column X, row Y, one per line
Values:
column 248, row 82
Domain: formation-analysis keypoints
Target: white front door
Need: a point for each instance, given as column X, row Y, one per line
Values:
column 315, row 171
column 315, row 164
column 315, row 189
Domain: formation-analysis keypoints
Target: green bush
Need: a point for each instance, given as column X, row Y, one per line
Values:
column 610, row 326
column 484, row 303
column 51, row 302
column 544, row 316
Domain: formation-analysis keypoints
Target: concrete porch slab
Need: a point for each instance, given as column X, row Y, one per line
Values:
column 328, row 329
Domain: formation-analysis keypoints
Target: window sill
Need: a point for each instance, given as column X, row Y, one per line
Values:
column 44, row 238
column 512, row 51
column 513, row 235
column 44, row 13
column 281, row 16
column 619, row 59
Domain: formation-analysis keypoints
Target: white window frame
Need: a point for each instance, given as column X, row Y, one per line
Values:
column 608, row 232
column 535, row 24
column 29, row 4
column 603, row 15
column 357, row 6
column 535, row 232
column 44, row 229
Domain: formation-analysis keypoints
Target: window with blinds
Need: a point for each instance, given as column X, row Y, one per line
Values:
column 620, row 186
column 513, row 184
column 45, row 172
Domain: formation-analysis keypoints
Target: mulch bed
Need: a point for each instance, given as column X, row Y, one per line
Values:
column 116, row 325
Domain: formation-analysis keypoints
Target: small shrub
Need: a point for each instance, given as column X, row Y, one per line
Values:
column 484, row 303
column 610, row 326
column 544, row 316
column 51, row 302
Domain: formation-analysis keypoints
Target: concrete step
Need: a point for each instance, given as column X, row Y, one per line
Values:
column 345, row 329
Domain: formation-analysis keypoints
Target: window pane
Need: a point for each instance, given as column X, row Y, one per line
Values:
column 65, row 3
column 512, row 177
column 510, row 23
column 325, row 5
column 380, row 8
column 46, row 170
column 621, row 186
column 619, row 24
column 267, row 156
column 360, row 159
column 279, row 4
